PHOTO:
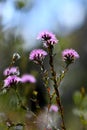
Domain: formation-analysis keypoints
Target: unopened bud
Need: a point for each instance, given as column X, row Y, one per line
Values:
column 16, row 56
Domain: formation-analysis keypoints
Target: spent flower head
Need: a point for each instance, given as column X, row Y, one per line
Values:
column 11, row 80
column 27, row 78
column 69, row 56
column 37, row 55
column 11, row 71
column 48, row 38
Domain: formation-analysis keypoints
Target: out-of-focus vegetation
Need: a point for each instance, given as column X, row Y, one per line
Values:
column 74, row 79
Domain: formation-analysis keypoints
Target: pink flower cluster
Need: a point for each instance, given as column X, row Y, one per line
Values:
column 27, row 78
column 53, row 108
column 69, row 55
column 13, row 78
column 48, row 38
column 37, row 55
column 11, row 71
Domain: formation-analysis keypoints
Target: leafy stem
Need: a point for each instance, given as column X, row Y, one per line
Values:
column 45, row 81
column 56, row 85
column 60, row 78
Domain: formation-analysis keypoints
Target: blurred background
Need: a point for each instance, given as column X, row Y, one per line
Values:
column 20, row 23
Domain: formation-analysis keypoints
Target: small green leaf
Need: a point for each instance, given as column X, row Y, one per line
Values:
column 20, row 4
column 83, row 120
column 77, row 98
column 84, row 102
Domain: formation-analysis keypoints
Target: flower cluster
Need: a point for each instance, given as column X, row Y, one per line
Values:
column 47, row 38
column 69, row 56
column 53, row 108
column 11, row 80
column 27, row 78
column 11, row 71
column 37, row 55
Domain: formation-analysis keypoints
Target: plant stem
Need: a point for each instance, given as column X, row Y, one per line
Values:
column 60, row 79
column 54, row 78
column 45, row 81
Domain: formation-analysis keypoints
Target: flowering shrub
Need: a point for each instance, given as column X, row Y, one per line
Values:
column 53, row 112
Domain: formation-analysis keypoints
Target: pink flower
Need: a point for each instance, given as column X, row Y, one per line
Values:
column 27, row 78
column 11, row 80
column 53, row 108
column 69, row 55
column 37, row 55
column 11, row 71
column 48, row 38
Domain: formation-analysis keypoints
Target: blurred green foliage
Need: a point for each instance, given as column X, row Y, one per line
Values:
column 80, row 100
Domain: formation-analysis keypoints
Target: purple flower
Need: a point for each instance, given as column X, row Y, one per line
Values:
column 27, row 78
column 37, row 55
column 48, row 38
column 69, row 56
column 11, row 80
column 53, row 108
column 11, row 71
